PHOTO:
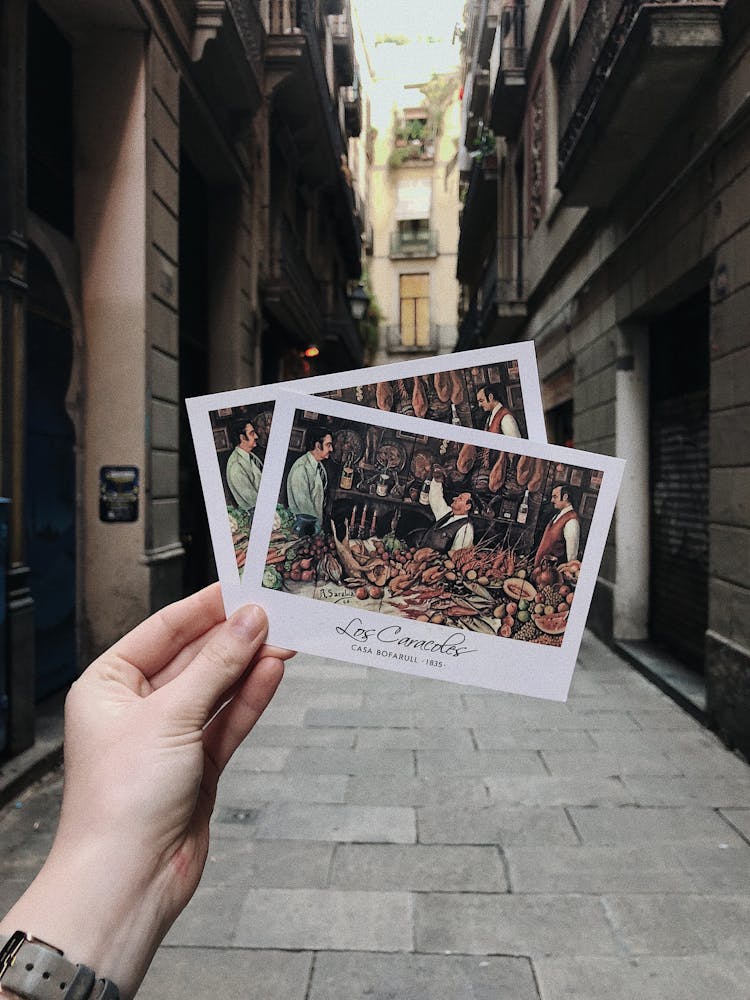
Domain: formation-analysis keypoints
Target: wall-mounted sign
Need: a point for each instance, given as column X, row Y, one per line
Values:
column 118, row 493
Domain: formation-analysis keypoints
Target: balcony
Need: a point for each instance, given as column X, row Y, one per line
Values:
column 479, row 217
column 629, row 70
column 227, row 47
column 413, row 245
column 291, row 292
column 487, row 33
column 343, row 46
column 401, row 341
column 508, row 64
column 353, row 110
column 303, row 106
column 341, row 334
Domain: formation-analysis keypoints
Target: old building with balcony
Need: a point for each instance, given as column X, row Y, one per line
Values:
column 414, row 196
column 177, row 216
column 623, row 210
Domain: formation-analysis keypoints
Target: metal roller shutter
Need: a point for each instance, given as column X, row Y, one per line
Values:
column 679, row 525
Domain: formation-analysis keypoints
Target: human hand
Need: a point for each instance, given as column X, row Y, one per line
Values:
column 149, row 728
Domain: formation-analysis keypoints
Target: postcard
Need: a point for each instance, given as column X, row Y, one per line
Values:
column 461, row 554
column 495, row 388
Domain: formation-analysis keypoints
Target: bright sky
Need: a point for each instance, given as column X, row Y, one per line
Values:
column 428, row 23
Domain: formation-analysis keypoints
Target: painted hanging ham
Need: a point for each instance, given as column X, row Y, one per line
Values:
column 466, row 458
column 419, row 398
column 384, row 396
column 497, row 473
column 442, row 386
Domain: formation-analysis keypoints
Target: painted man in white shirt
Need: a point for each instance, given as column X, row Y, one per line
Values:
column 499, row 419
column 452, row 528
column 307, row 479
column 562, row 536
column 244, row 469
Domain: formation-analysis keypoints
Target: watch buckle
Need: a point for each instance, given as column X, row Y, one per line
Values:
column 10, row 950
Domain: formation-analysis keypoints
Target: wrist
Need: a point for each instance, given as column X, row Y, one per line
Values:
column 98, row 910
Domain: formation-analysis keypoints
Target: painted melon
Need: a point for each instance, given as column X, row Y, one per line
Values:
column 553, row 624
column 517, row 588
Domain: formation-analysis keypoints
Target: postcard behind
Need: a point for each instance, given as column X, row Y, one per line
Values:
column 496, row 387
column 461, row 555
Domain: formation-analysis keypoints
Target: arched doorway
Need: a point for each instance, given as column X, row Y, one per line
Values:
column 50, row 489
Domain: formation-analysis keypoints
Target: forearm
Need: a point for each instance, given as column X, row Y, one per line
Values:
column 99, row 908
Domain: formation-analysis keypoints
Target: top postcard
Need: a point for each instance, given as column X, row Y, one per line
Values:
column 450, row 552
column 495, row 389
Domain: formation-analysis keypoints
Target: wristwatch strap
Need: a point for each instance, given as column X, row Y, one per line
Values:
column 37, row 971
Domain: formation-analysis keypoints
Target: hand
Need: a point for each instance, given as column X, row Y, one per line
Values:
column 149, row 728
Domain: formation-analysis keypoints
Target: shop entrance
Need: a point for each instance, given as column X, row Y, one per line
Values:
column 50, row 494
column 679, row 449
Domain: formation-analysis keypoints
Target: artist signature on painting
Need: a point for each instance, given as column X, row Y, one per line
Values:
column 372, row 641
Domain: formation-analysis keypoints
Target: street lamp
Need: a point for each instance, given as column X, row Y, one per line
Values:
column 359, row 300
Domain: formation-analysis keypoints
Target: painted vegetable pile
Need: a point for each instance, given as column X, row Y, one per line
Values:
column 486, row 588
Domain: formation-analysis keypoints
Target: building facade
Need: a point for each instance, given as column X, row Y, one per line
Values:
column 614, row 142
column 174, row 219
column 414, row 198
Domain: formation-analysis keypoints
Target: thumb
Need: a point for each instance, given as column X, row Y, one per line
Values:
column 220, row 663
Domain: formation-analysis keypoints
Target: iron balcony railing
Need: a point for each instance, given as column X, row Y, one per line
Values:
column 601, row 35
column 422, row 244
column 513, row 36
column 251, row 30
column 401, row 340
column 294, row 267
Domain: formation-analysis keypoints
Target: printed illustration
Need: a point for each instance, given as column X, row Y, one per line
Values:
column 241, row 436
column 485, row 397
column 430, row 529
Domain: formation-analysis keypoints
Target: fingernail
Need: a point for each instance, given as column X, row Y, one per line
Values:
column 249, row 621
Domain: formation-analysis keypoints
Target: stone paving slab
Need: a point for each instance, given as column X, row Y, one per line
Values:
column 492, row 738
column 628, row 825
column 719, row 869
column 694, row 978
column 177, row 973
column 398, row 790
column 660, row 924
column 315, row 760
column 243, row 788
column 740, row 820
column 302, row 736
column 551, row 790
column 512, row 925
column 369, row 824
column 715, row 792
column 669, row 717
column 421, row 977
column 281, row 864
column 360, row 718
column 666, row 740
column 313, row 920
column 429, row 738
column 449, row 824
column 431, row 763
column 583, row 869
column 418, row 868
column 209, row 919
column 598, row 764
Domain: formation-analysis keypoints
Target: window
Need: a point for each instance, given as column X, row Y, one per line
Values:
column 414, row 294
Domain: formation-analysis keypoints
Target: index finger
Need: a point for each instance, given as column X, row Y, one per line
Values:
column 156, row 641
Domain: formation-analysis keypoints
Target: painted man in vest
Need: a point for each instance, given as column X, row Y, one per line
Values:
column 499, row 419
column 562, row 536
column 244, row 469
column 452, row 528
column 307, row 480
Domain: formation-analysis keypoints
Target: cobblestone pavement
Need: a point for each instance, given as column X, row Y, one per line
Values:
column 391, row 838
